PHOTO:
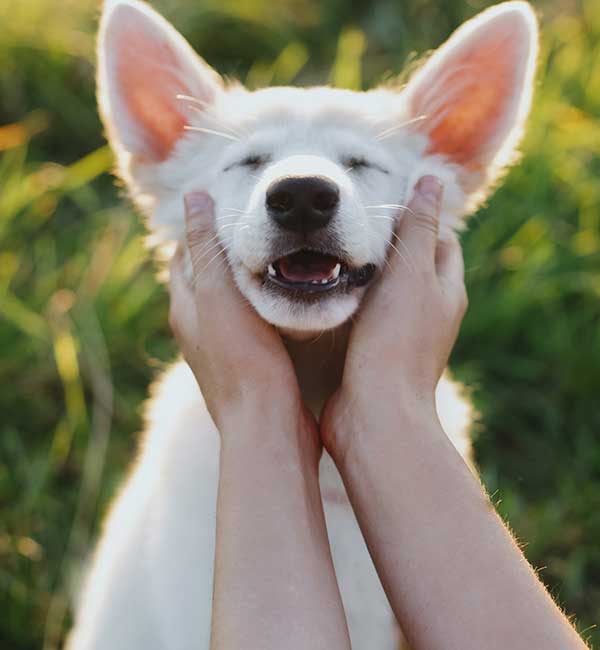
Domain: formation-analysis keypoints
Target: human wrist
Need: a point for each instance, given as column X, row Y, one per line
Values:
column 238, row 402
column 367, row 421
column 278, row 428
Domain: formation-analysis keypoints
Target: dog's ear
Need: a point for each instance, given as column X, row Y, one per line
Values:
column 473, row 95
column 144, row 64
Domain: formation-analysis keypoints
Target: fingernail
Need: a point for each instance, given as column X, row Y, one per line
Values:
column 431, row 188
column 198, row 206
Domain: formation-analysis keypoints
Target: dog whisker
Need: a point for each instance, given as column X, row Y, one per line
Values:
column 392, row 206
column 222, row 251
column 201, row 129
column 227, row 225
column 381, row 216
column 231, row 224
column 388, row 206
column 233, row 212
column 407, row 209
column 230, row 217
column 207, row 243
column 387, row 133
column 207, row 252
column 408, row 265
column 387, row 263
column 193, row 100
column 409, row 258
column 216, row 120
column 207, row 248
column 207, row 112
column 223, row 262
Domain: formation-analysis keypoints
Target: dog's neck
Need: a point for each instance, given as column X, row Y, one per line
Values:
column 319, row 363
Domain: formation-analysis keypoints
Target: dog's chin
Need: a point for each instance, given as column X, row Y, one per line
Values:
column 299, row 311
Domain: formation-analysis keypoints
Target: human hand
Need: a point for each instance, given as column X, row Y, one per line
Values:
column 403, row 336
column 238, row 359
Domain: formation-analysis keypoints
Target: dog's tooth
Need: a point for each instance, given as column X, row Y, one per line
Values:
column 325, row 281
column 336, row 271
column 271, row 270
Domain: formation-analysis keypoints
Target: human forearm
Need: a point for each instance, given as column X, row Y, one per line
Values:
column 453, row 574
column 274, row 578
column 274, row 584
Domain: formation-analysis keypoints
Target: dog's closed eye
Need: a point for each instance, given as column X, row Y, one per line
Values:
column 253, row 161
column 358, row 163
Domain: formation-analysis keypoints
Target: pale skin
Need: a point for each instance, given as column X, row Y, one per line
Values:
column 452, row 572
column 274, row 584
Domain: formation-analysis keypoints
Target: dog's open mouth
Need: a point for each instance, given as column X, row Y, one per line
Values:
column 313, row 272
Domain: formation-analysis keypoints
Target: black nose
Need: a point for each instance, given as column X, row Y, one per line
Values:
column 302, row 203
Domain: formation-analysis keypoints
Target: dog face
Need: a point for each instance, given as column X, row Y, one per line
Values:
column 308, row 183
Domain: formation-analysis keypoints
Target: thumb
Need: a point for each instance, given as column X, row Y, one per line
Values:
column 420, row 225
column 201, row 239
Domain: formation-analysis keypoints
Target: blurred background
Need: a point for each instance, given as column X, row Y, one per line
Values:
column 83, row 321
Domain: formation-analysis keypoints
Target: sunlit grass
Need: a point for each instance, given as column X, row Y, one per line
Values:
column 83, row 325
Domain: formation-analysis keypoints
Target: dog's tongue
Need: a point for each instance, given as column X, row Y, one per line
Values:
column 307, row 266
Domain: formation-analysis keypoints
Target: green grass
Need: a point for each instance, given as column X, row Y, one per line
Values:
column 83, row 322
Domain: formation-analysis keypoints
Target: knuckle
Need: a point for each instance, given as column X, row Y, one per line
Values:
column 194, row 239
column 427, row 220
column 197, row 236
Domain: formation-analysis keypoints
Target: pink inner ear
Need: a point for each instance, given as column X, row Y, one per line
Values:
column 467, row 99
column 144, row 64
column 147, row 75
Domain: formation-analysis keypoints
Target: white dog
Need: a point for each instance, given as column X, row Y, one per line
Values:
column 307, row 184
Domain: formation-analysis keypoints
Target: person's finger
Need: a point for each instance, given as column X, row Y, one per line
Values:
column 202, row 241
column 212, row 281
column 177, row 283
column 418, row 229
column 179, row 291
column 449, row 260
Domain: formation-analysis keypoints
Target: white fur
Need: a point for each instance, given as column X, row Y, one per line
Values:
column 151, row 580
